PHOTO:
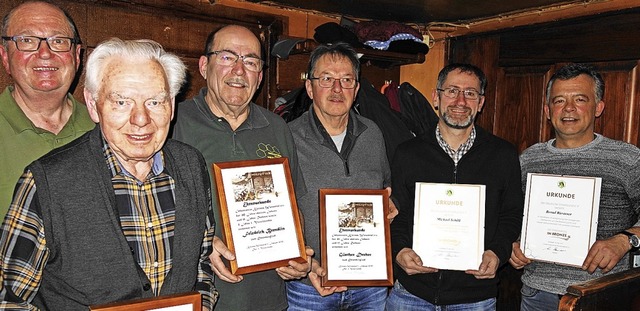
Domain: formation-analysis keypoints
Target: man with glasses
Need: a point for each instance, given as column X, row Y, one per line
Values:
column 120, row 213
column 223, row 123
column 41, row 52
column 337, row 148
column 456, row 151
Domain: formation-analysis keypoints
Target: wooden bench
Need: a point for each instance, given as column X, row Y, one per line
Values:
column 617, row 292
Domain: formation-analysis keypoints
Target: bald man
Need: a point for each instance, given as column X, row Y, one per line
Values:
column 225, row 125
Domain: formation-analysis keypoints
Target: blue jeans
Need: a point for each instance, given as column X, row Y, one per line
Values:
column 538, row 300
column 304, row 297
column 401, row 300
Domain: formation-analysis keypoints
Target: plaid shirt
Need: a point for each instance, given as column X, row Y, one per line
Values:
column 456, row 154
column 147, row 217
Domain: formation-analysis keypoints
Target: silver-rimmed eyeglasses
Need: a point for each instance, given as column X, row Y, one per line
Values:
column 327, row 81
column 228, row 58
column 32, row 43
column 453, row 92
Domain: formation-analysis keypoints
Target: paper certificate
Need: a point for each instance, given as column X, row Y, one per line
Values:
column 448, row 228
column 560, row 218
column 259, row 214
column 354, row 238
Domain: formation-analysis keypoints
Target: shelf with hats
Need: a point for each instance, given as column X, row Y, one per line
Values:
column 292, row 46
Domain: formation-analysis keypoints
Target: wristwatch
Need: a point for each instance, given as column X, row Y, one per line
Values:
column 634, row 240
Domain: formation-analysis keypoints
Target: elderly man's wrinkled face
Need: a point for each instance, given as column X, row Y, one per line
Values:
column 42, row 70
column 134, row 108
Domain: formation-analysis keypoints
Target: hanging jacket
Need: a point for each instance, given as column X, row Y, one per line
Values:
column 372, row 104
column 416, row 111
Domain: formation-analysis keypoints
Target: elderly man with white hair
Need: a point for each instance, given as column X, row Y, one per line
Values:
column 121, row 212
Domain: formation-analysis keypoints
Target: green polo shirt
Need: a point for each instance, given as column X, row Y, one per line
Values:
column 21, row 142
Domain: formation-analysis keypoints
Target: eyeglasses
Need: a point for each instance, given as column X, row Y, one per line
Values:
column 228, row 58
column 453, row 92
column 32, row 43
column 327, row 81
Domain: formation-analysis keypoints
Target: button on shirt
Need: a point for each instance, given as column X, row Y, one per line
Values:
column 147, row 216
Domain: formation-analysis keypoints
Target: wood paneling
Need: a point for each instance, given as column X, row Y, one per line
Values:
column 609, row 37
column 518, row 116
column 519, row 62
column 617, row 120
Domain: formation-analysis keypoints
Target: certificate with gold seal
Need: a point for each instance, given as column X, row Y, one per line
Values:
column 448, row 228
column 560, row 217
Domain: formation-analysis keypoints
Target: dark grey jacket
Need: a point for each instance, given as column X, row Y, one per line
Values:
column 90, row 261
column 362, row 164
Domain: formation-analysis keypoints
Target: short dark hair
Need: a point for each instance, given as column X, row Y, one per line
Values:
column 338, row 48
column 571, row 71
column 7, row 19
column 208, row 45
column 466, row 68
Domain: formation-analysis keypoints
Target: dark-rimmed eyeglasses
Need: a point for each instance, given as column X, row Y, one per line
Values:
column 453, row 92
column 228, row 58
column 327, row 81
column 32, row 43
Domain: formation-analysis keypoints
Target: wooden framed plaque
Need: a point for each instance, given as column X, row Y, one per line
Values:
column 260, row 219
column 191, row 301
column 354, row 237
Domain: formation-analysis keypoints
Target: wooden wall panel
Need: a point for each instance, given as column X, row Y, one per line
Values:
column 519, row 101
column 517, row 59
column 611, row 36
column 617, row 120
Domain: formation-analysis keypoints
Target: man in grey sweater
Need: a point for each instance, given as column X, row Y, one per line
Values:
column 574, row 101
column 336, row 149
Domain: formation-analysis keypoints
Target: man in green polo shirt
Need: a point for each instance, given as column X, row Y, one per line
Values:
column 41, row 52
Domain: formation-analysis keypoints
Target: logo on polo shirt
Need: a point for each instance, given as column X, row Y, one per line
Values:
column 268, row 151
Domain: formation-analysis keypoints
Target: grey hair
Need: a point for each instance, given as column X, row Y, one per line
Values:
column 174, row 68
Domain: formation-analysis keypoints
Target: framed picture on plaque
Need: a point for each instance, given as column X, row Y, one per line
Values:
column 260, row 219
column 354, row 237
column 191, row 301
